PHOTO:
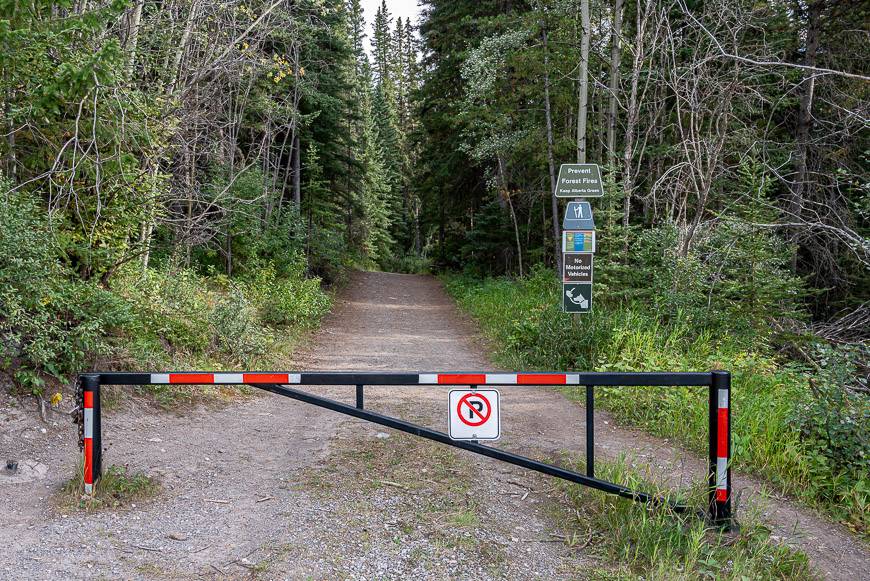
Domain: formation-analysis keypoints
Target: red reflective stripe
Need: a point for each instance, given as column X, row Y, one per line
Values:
column 722, row 430
column 266, row 378
column 89, row 461
column 462, row 378
column 191, row 378
column 721, row 495
column 89, row 399
column 542, row 379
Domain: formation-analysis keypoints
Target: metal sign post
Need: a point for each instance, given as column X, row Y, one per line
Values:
column 578, row 246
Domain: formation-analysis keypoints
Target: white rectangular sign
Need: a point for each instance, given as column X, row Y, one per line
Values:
column 473, row 414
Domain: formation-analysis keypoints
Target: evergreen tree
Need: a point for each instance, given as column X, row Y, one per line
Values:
column 382, row 50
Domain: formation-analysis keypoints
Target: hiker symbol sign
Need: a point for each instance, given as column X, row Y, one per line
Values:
column 473, row 414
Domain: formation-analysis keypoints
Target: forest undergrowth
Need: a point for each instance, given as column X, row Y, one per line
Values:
column 166, row 316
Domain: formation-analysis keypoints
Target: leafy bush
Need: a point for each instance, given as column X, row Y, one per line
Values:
column 734, row 279
column 172, row 309
column 408, row 264
column 236, row 329
column 285, row 300
column 834, row 426
column 50, row 323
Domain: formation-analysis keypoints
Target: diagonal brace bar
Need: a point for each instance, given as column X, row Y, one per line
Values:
column 488, row 451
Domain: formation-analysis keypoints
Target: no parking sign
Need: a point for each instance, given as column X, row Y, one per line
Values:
column 473, row 414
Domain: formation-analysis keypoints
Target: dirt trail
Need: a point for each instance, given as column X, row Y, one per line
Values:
column 306, row 493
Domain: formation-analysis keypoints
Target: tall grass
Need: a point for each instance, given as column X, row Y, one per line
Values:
column 530, row 332
column 634, row 541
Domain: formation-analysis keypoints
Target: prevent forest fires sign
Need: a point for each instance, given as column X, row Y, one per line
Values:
column 473, row 414
column 579, row 180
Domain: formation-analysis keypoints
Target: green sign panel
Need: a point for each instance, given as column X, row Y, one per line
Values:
column 577, row 297
column 579, row 180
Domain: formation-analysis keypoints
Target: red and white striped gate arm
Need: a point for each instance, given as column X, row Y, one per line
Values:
column 499, row 378
column 190, row 378
column 224, row 378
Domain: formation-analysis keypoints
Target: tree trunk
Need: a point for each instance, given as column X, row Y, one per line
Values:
column 182, row 48
column 583, row 98
column 633, row 113
column 615, row 53
column 132, row 40
column 550, row 160
column 147, row 227
column 804, row 126
column 229, row 252
column 507, row 196
column 297, row 173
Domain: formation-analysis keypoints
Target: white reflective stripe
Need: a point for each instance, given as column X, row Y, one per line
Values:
column 294, row 378
column 723, row 399
column 89, row 422
column 158, row 378
column 428, row 378
column 89, row 488
column 231, row 378
column 501, row 378
column 572, row 378
column 722, row 473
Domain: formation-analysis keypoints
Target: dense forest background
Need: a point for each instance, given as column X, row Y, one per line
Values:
column 179, row 176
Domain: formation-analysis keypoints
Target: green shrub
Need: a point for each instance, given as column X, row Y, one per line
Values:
column 236, row 329
column 287, row 300
column 50, row 323
column 407, row 263
column 172, row 308
column 834, row 427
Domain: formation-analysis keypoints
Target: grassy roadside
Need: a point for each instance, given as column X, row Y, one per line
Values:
column 633, row 541
column 116, row 488
column 528, row 331
column 178, row 319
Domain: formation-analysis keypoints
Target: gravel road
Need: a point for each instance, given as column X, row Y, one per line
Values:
column 270, row 488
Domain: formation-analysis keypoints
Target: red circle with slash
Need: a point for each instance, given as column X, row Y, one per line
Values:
column 481, row 417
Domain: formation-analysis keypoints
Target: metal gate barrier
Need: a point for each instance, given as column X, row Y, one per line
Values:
column 718, row 383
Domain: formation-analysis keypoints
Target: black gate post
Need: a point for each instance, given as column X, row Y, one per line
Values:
column 720, row 448
column 93, row 441
column 590, row 431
